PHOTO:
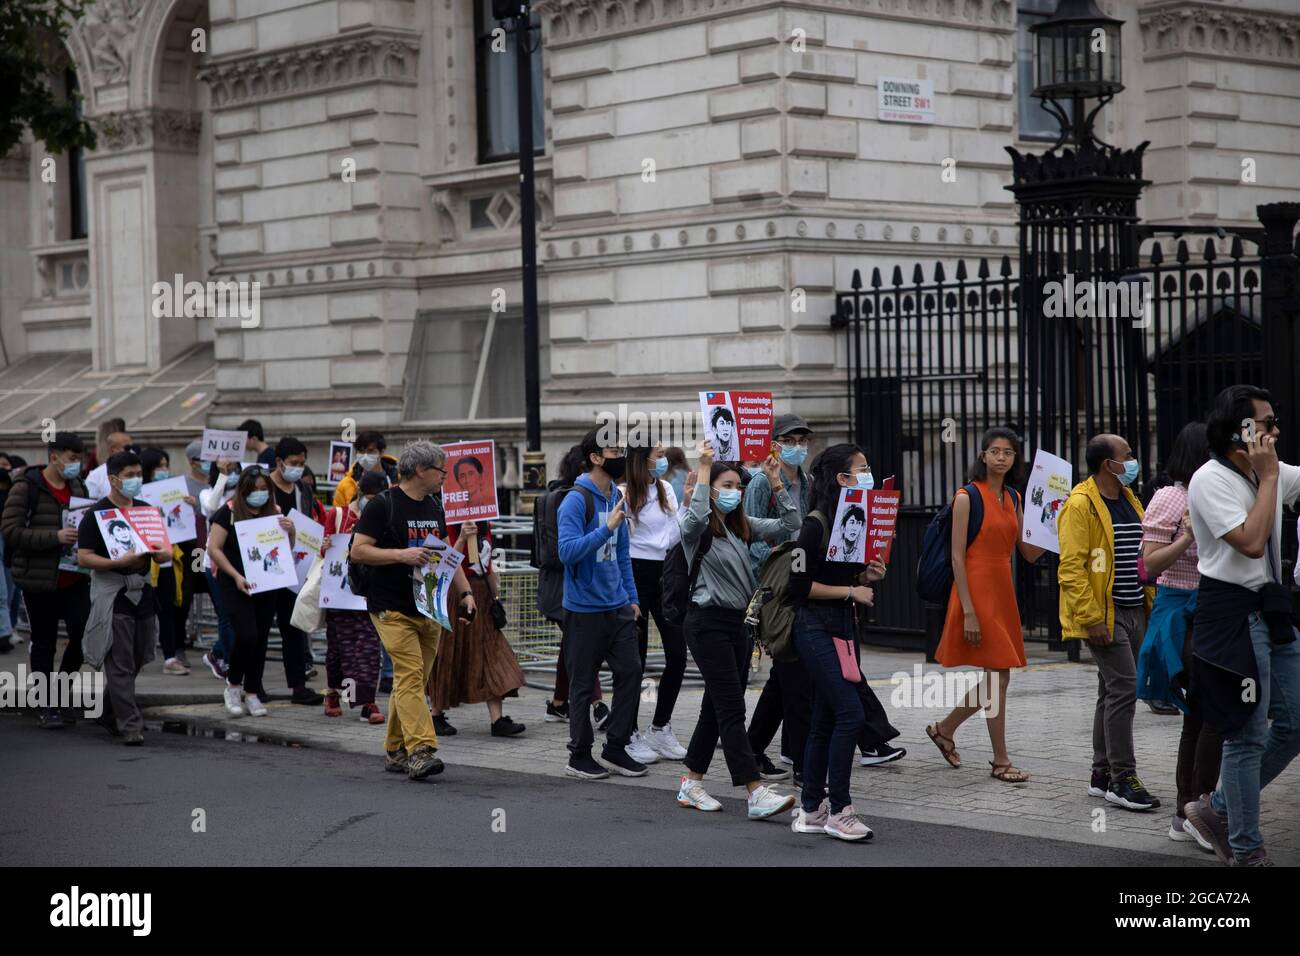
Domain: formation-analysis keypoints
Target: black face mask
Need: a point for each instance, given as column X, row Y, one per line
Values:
column 614, row 467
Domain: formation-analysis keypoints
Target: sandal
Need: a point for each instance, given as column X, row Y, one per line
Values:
column 1008, row 773
column 949, row 752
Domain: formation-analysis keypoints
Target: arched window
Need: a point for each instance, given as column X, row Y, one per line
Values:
column 76, row 168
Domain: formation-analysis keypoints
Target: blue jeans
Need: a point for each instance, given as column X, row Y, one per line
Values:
column 1257, row 753
column 837, row 715
column 224, row 645
column 7, row 593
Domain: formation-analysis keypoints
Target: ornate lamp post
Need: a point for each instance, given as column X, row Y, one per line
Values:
column 1076, row 58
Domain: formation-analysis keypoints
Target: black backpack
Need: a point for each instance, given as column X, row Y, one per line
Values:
column 546, row 526
column 676, row 583
column 361, row 576
column 934, row 567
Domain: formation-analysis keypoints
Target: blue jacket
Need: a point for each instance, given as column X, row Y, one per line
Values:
column 590, row 584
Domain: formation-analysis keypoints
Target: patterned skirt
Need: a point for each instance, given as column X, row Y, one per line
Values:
column 475, row 663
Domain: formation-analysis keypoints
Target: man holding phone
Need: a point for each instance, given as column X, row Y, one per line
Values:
column 389, row 537
column 1245, row 658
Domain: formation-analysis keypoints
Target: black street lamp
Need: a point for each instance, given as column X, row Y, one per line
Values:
column 1076, row 58
column 534, row 476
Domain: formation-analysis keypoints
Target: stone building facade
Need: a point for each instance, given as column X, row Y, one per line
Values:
column 709, row 172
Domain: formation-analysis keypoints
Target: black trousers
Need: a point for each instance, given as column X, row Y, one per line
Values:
column 171, row 617
column 293, row 642
column 44, row 610
column 591, row 637
column 786, row 701
column 720, row 646
column 648, row 576
column 251, row 616
column 1200, row 749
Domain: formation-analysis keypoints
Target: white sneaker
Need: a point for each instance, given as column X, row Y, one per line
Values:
column 692, row 794
column 664, row 743
column 639, row 750
column 765, row 802
column 847, row 825
column 255, row 706
column 786, row 760
column 815, row 822
column 233, row 697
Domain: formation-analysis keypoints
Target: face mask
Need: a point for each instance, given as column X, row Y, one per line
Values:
column 728, row 499
column 256, row 499
column 367, row 461
column 866, row 480
column 131, row 486
column 72, row 469
column 753, row 471
column 291, row 472
column 161, row 474
column 660, row 468
column 793, row 454
column 1130, row 472
column 614, row 467
column 232, row 479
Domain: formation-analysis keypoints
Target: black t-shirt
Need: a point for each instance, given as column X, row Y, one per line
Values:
column 395, row 520
column 1126, row 589
column 286, row 501
column 225, row 518
column 840, row 574
column 89, row 538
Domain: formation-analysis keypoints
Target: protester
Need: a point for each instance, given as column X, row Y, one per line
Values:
column 1102, row 600
column 256, row 448
column 171, row 590
column 826, row 596
column 34, row 534
column 97, row 484
column 1242, row 631
column 351, row 641
column 388, row 538
column 250, row 613
column 652, row 531
column 223, row 475
column 677, row 472
column 123, row 622
column 8, row 590
column 982, row 628
column 600, row 603
column 289, row 491
column 369, row 447
column 1169, row 551
column 717, row 530
column 478, row 665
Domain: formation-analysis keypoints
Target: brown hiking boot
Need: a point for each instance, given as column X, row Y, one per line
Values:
column 423, row 763
column 396, row 761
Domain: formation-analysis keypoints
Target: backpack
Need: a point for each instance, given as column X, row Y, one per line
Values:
column 677, row 582
column 31, row 475
column 546, row 526
column 361, row 576
column 934, row 567
column 775, row 629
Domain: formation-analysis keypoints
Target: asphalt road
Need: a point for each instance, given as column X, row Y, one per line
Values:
column 78, row 798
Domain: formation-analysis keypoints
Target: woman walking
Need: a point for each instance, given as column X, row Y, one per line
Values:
column 171, row 586
column 351, row 641
column 652, row 527
column 1169, row 551
column 251, row 614
column 983, row 624
column 826, row 596
column 477, row 665
column 717, row 527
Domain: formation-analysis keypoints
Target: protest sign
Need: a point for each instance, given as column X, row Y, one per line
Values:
column 738, row 424
column 222, row 444
column 847, row 542
column 72, row 519
column 340, row 460
column 335, row 594
column 264, row 547
column 433, row 582
column 882, row 518
column 1050, row 481
column 135, row 530
column 308, row 536
column 469, row 490
column 169, row 497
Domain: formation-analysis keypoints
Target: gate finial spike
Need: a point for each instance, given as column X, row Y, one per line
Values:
column 1182, row 254
column 1209, row 252
column 1005, row 272
column 1157, row 255
column 918, row 277
column 961, row 270
column 938, row 272
column 856, row 282
column 983, row 270
column 897, row 277
column 875, row 277
column 1235, row 251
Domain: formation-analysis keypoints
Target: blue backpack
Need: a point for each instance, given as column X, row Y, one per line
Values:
column 934, row 567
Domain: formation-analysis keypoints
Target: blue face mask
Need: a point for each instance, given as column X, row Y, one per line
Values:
column 866, row 480
column 256, row 499
column 1130, row 472
column 162, row 474
column 232, row 479
column 131, row 486
column 72, row 469
column 728, row 499
column 660, row 468
column 793, row 454
column 291, row 472
column 753, row 471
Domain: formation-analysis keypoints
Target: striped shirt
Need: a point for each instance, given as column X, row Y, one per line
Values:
column 1126, row 590
column 1162, row 524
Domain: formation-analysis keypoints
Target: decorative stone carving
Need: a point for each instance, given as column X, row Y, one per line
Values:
column 386, row 55
column 17, row 164
column 109, row 31
column 444, row 216
column 1193, row 27
column 148, row 129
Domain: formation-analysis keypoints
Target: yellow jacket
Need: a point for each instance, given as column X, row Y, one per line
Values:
column 1087, row 566
column 346, row 489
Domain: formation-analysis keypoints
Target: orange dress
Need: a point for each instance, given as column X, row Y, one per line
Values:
column 988, row 572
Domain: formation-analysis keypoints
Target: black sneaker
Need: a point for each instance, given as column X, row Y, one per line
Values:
column 585, row 768
column 310, row 673
column 1099, row 784
column 557, row 713
column 69, row 715
column 1163, row 709
column 1129, row 793
column 768, row 770
column 599, row 715
column 50, row 719
column 396, row 761
column 881, row 754
column 503, row 726
column 616, row 759
column 423, row 763
column 305, row 695
column 385, row 685
column 443, row 726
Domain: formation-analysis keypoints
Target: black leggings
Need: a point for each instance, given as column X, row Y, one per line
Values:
column 251, row 617
column 171, row 616
column 648, row 575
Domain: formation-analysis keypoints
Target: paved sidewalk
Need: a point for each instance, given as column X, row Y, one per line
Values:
column 1049, row 726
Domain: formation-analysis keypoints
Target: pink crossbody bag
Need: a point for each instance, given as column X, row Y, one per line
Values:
column 848, row 660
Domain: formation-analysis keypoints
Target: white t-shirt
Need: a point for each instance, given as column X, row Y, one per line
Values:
column 97, row 485
column 653, row 532
column 1219, row 500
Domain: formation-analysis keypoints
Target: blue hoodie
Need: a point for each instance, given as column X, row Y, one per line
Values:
column 592, row 585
